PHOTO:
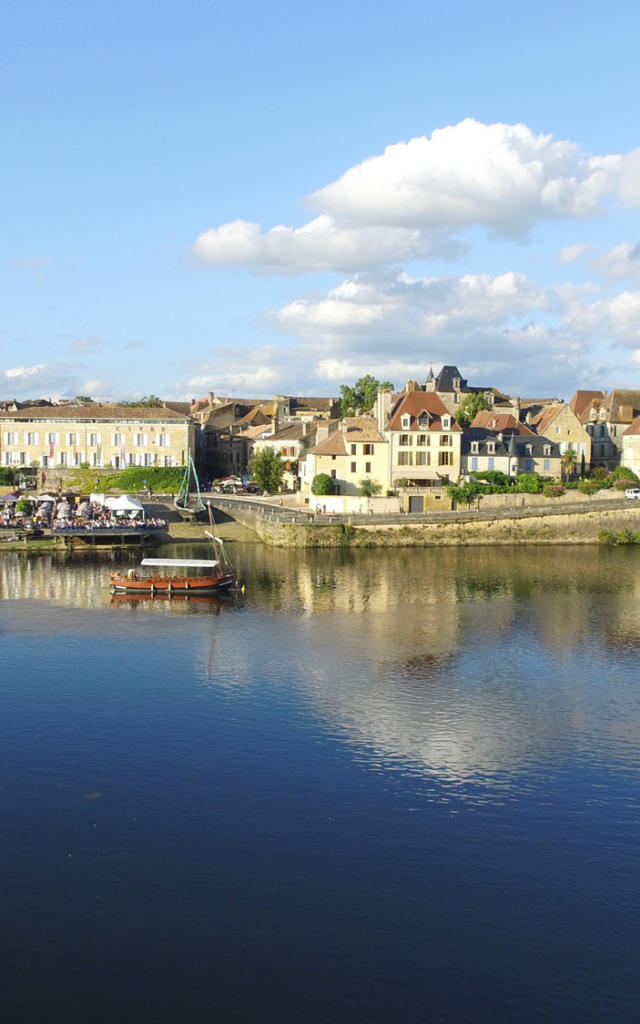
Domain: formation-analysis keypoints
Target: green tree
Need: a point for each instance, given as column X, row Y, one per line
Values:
column 266, row 468
column 569, row 459
column 368, row 488
column 148, row 402
column 624, row 473
column 321, row 484
column 361, row 397
column 83, row 398
column 469, row 407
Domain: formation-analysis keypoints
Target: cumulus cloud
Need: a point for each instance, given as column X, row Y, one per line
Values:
column 615, row 320
column 39, row 380
column 621, row 261
column 415, row 199
column 251, row 372
column 505, row 177
column 571, row 253
column 322, row 244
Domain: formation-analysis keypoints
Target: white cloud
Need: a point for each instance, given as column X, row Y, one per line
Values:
column 249, row 372
column 623, row 261
column 502, row 176
column 413, row 201
column 322, row 244
column 40, row 380
column 21, row 373
column 614, row 320
column 571, row 253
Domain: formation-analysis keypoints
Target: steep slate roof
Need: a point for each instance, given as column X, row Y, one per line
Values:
column 415, row 403
column 446, row 377
column 97, row 411
column 509, row 444
column 500, row 422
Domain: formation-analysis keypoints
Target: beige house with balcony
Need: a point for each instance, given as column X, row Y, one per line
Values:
column 97, row 436
column 424, row 438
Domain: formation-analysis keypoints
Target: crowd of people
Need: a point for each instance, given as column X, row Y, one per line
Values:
column 65, row 514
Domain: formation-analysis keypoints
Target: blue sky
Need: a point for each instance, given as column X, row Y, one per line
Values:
column 451, row 183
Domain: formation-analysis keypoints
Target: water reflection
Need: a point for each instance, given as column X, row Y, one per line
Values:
column 458, row 666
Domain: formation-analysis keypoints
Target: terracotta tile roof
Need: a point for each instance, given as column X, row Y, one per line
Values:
column 101, row 411
column 545, row 417
column 500, row 422
column 250, row 433
column 415, row 403
column 633, row 429
column 582, row 401
column 332, row 445
column 355, row 429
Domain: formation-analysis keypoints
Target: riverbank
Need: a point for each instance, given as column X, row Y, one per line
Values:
column 563, row 529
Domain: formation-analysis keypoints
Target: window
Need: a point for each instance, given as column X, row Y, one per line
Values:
column 558, row 429
column 406, row 421
column 31, row 438
column 405, row 440
column 423, row 458
column 94, row 441
column 405, row 458
column 353, row 466
column 492, row 462
column 52, row 438
column 528, row 465
column 445, row 439
column 491, row 447
column 72, row 439
column 117, row 439
column 423, row 421
column 367, row 449
column 353, row 449
column 77, row 458
column 168, row 460
column 367, row 467
column 474, row 462
column 423, row 439
column 10, row 437
column 547, row 465
column 446, row 423
column 445, row 458
column 141, row 440
column 547, row 451
column 63, row 458
column 474, row 447
column 333, row 473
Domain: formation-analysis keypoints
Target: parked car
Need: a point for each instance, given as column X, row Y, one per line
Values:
column 632, row 492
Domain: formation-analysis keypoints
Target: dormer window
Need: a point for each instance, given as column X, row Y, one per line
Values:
column 529, row 449
column 593, row 413
column 547, row 449
column 456, row 383
column 423, row 421
column 491, row 447
column 474, row 447
column 602, row 414
column 446, row 423
column 406, row 421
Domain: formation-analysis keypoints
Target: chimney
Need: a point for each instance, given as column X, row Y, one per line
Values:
column 382, row 408
column 322, row 432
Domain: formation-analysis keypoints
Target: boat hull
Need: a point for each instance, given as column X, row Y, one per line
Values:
column 123, row 583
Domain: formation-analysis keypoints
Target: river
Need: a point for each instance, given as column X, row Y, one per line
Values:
column 397, row 786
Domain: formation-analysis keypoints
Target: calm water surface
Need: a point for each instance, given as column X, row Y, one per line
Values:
column 395, row 786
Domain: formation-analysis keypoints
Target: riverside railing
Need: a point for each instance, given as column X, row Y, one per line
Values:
column 284, row 514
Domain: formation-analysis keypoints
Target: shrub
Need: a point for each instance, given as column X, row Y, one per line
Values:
column 553, row 490
column 589, row 486
column 529, row 483
column 606, row 537
column 624, row 537
column 368, row 488
column 321, row 484
column 621, row 485
column 623, row 473
column 598, row 473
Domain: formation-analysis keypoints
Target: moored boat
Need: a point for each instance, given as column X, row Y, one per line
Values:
column 179, row 577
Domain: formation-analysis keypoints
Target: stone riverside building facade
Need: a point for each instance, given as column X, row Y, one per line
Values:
column 95, row 435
